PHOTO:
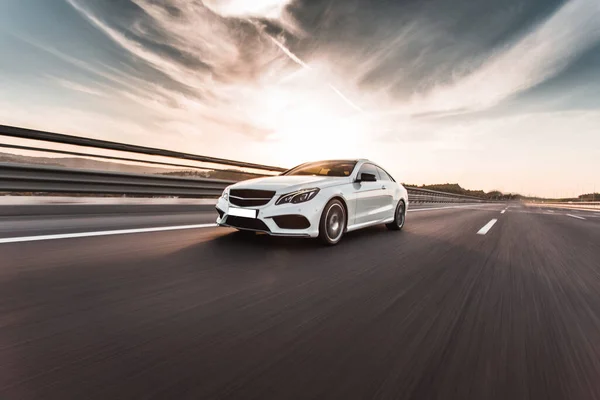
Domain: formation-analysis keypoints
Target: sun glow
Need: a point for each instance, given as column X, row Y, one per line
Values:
column 315, row 134
column 307, row 120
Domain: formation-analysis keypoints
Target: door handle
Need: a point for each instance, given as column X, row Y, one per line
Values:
column 383, row 188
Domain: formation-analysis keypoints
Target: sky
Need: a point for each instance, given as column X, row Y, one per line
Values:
column 493, row 95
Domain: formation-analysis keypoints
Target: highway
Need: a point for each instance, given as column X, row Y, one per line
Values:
column 455, row 306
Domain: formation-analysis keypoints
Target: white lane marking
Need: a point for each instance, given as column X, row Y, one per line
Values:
column 575, row 216
column 550, row 211
column 446, row 208
column 160, row 229
column 572, row 207
column 102, row 233
column 502, row 212
column 487, row 227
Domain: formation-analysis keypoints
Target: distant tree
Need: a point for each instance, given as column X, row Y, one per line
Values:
column 589, row 197
column 227, row 175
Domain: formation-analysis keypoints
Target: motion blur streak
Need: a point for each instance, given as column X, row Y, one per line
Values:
column 432, row 312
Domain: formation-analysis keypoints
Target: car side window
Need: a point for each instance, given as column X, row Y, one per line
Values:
column 369, row 169
column 383, row 175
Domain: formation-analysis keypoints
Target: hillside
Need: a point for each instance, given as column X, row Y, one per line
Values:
column 80, row 163
column 228, row 175
column 116, row 166
column 455, row 188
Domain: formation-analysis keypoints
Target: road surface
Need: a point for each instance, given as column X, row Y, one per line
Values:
column 444, row 309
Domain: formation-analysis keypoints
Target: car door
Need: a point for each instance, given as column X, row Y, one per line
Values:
column 370, row 197
column 388, row 186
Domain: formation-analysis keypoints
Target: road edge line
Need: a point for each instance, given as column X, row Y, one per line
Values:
column 38, row 238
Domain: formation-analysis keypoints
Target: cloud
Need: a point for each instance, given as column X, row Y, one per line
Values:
column 79, row 87
column 114, row 81
column 247, row 69
column 242, row 61
column 536, row 57
column 280, row 81
column 244, row 8
column 174, row 70
column 234, row 65
column 297, row 60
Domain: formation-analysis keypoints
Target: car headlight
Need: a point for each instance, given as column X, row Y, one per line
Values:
column 299, row 196
column 225, row 195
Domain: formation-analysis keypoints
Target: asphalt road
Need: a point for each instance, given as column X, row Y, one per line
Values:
column 436, row 311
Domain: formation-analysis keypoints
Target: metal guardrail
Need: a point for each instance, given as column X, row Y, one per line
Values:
column 33, row 178
column 50, row 179
column 22, row 133
column 417, row 195
column 37, row 178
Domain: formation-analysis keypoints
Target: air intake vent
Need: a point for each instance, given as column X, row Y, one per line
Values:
column 246, row 223
column 291, row 222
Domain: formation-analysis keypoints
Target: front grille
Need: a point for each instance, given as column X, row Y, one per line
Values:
column 250, row 197
column 248, row 203
column 246, row 223
column 292, row 222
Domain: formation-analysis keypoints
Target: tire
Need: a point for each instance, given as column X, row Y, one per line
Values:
column 333, row 223
column 399, row 217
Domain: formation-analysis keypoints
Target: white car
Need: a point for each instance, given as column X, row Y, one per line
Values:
column 321, row 199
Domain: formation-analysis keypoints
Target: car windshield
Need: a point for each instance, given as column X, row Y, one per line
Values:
column 324, row 168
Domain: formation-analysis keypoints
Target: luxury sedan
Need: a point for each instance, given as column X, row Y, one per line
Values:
column 323, row 199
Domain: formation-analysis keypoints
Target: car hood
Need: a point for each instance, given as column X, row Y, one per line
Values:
column 290, row 182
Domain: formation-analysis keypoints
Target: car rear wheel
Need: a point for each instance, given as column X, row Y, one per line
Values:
column 399, row 217
column 333, row 222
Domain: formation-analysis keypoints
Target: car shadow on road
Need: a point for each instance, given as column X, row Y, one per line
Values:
column 240, row 251
column 246, row 239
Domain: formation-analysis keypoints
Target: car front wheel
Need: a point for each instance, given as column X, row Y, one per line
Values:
column 399, row 217
column 333, row 222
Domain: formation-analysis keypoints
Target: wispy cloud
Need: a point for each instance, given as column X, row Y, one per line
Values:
column 174, row 70
column 243, row 62
column 539, row 55
column 244, row 8
column 215, row 90
column 79, row 87
column 297, row 60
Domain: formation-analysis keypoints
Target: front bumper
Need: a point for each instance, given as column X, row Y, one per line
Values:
column 265, row 221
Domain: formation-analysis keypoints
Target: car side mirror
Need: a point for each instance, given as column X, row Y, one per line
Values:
column 366, row 177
